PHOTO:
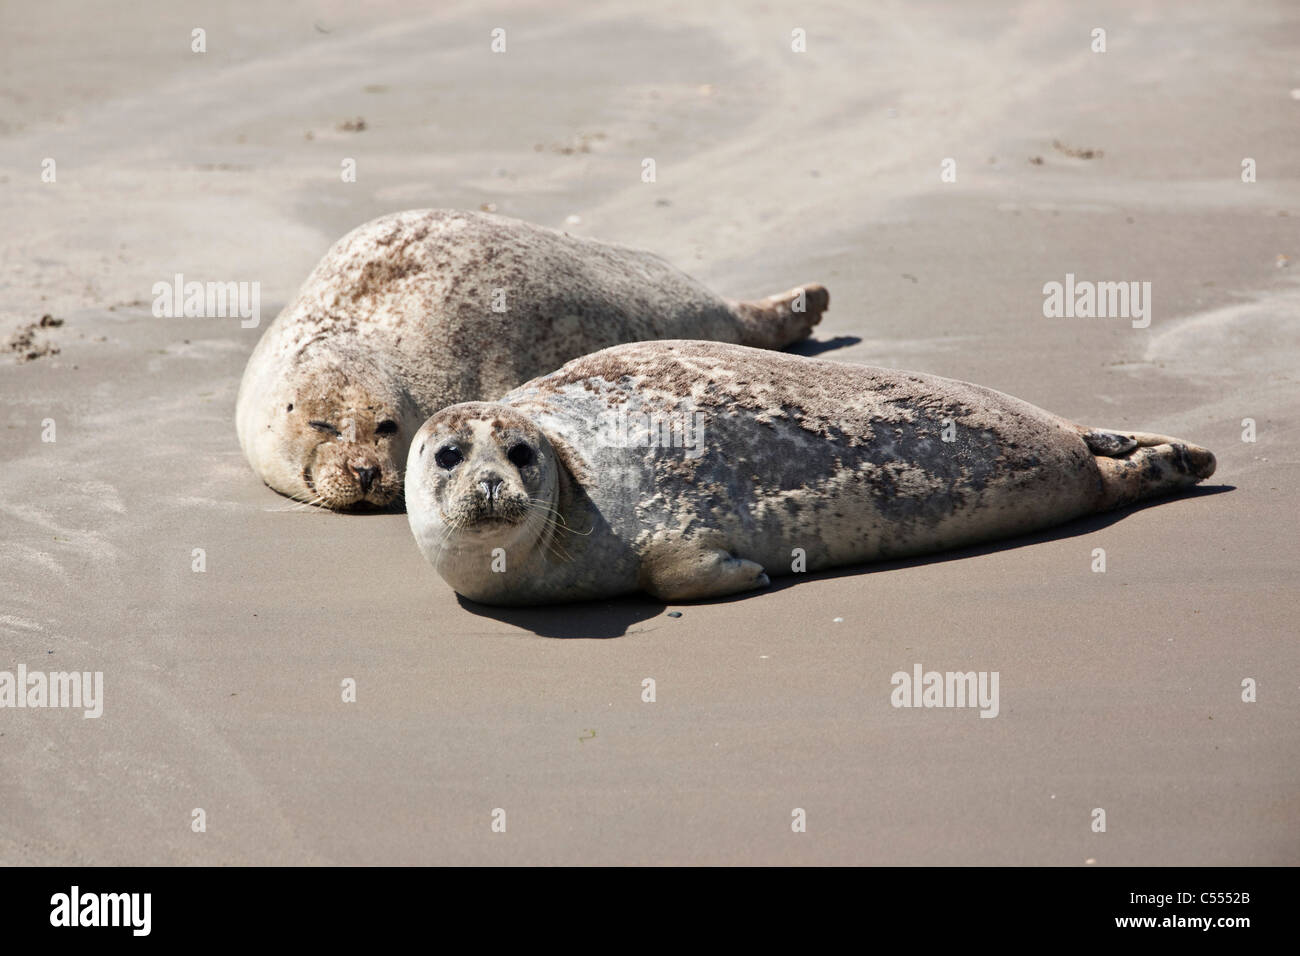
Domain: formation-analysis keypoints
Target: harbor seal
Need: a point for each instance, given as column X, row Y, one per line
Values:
column 576, row 485
column 419, row 310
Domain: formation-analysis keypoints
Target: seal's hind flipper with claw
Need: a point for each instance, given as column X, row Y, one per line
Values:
column 1108, row 444
column 784, row 318
column 1139, row 465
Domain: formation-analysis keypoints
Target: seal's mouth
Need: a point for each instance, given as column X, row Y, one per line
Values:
column 375, row 504
column 481, row 521
column 488, row 522
column 352, row 499
column 364, row 506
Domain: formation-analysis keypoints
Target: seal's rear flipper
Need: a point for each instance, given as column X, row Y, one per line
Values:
column 1108, row 444
column 784, row 318
column 1138, row 465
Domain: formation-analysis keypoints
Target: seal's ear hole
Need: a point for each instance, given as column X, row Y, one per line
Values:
column 290, row 408
column 421, row 451
column 449, row 457
column 386, row 427
column 521, row 455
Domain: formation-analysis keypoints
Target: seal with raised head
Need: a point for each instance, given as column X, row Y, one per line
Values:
column 694, row 470
column 419, row 310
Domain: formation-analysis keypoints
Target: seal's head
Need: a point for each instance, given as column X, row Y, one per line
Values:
column 333, row 433
column 479, row 477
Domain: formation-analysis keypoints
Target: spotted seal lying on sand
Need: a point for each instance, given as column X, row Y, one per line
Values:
column 696, row 469
column 423, row 309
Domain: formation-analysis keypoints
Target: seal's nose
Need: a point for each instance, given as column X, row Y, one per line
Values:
column 491, row 488
column 365, row 477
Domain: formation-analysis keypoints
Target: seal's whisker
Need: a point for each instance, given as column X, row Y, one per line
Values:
column 559, row 520
column 453, row 526
column 315, row 503
column 552, row 541
column 544, row 505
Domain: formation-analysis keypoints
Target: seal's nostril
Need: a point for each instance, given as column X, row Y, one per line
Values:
column 491, row 488
column 366, row 477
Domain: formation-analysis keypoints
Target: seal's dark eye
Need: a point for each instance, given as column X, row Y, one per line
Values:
column 520, row 455
column 290, row 408
column 386, row 427
column 449, row 457
column 324, row 427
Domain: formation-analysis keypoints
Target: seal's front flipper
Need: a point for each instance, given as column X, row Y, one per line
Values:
column 784, row 318
column 689, row 574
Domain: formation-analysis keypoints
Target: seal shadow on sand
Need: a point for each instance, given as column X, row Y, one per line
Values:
column 601, row 620
column 585, row 620
column 811, row 347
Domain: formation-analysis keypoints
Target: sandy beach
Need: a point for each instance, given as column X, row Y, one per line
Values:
column 1121, row 691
